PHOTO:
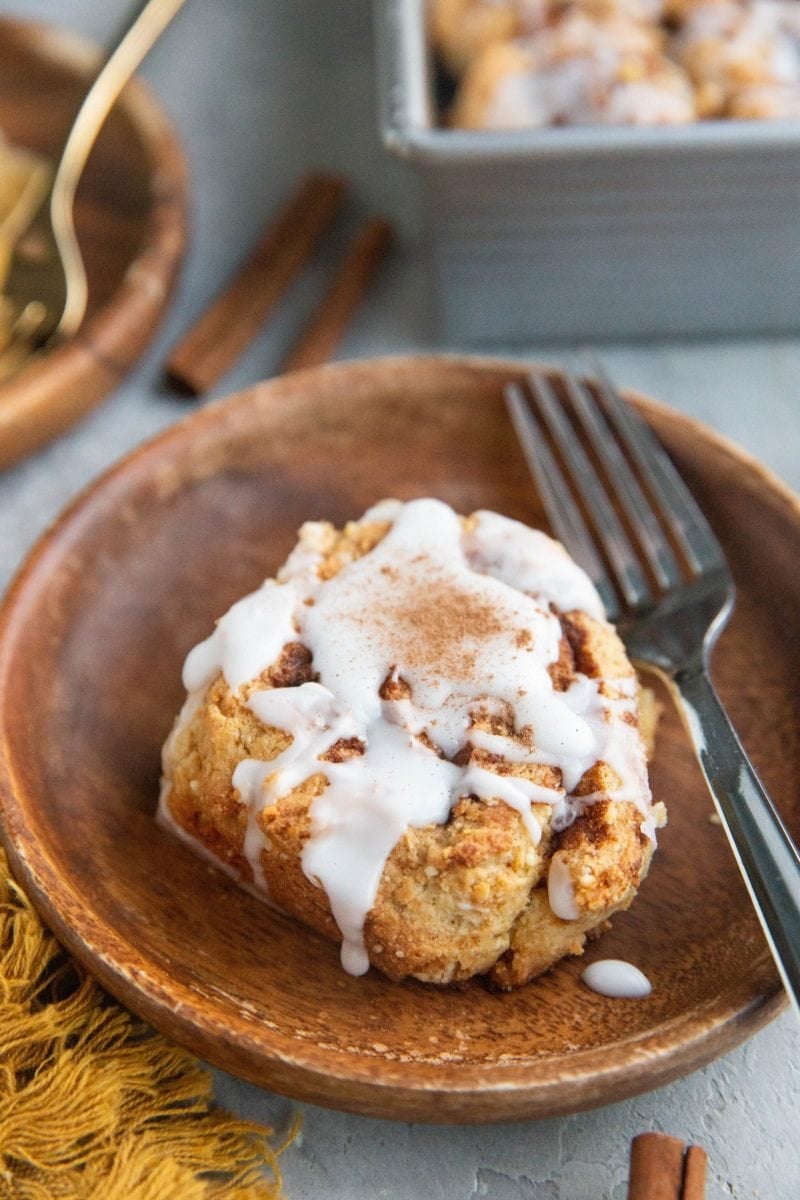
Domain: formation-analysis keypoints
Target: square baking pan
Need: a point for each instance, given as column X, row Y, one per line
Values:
column 595, row 232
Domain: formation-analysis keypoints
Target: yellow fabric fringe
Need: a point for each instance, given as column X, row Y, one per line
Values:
column 94, row 1105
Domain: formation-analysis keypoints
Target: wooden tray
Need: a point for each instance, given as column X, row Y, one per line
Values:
column 130, row 217
column 92, row 637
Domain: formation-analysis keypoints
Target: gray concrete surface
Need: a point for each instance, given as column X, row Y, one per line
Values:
column 257, row 91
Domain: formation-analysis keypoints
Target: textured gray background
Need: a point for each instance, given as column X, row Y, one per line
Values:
column 258, row 89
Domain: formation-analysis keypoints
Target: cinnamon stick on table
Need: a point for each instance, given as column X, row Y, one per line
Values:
column 212, row 346
column 659, row 1169
column 694, row 1174
column 361, row 261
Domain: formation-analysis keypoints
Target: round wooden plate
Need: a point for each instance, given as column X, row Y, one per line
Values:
column 130, row 218
column 92, row 637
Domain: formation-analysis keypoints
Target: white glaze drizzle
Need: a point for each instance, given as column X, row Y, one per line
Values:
column 529, row 561
column 246, row 640
column 616, row 978
column 364, row 626
column 576, row 72
column 249, row 779
column 560, row 890
column 356, row 822
column 518, row 793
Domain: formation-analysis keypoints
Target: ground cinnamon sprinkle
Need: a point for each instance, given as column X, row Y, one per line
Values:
column 442, row 624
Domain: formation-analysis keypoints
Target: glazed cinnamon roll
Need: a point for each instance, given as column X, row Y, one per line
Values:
column 423, row 740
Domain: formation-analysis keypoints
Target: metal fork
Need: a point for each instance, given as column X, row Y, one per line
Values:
column 47, row 267
column 663, row 578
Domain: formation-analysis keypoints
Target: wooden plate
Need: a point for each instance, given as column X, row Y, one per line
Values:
column 130, row 218
column 92, row 638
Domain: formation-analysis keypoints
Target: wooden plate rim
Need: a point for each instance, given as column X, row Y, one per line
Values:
column 308, row 1070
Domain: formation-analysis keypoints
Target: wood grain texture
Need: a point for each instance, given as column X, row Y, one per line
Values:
column 92, row 637
column 130, row 218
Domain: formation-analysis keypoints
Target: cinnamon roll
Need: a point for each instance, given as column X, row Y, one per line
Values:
column 423, row 740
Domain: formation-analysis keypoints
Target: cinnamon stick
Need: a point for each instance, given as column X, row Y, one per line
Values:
column 659, row 1171
column 694, row 1174
column 656, row 1167
column 214, row 343
column 361, row 262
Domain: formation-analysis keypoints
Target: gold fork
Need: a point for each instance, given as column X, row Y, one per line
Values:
column 46, row 290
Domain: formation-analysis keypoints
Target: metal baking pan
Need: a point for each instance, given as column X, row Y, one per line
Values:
column 595, row 232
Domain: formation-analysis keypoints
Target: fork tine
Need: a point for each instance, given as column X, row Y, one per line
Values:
column 562, row 511
column 632, row 500
column 614, row 541
column 678, row 508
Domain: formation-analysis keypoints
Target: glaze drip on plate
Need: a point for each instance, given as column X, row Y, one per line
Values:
column 413, row 645
column 617, row 979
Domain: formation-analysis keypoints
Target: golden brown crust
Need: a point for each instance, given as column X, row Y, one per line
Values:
column 597, row 649
column 449, row 894
column 500, row 60
column 345, row 546
column 464, row 898
column 462, row 28
column 607, row 856
column 203, row 756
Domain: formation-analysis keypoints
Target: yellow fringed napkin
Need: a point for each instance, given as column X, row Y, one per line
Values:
column 94, row 1105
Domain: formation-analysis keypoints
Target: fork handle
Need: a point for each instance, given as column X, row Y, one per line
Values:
column 767, row 856
column 131, row 47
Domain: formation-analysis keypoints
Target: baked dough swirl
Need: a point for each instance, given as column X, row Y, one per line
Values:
column 423, row 740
